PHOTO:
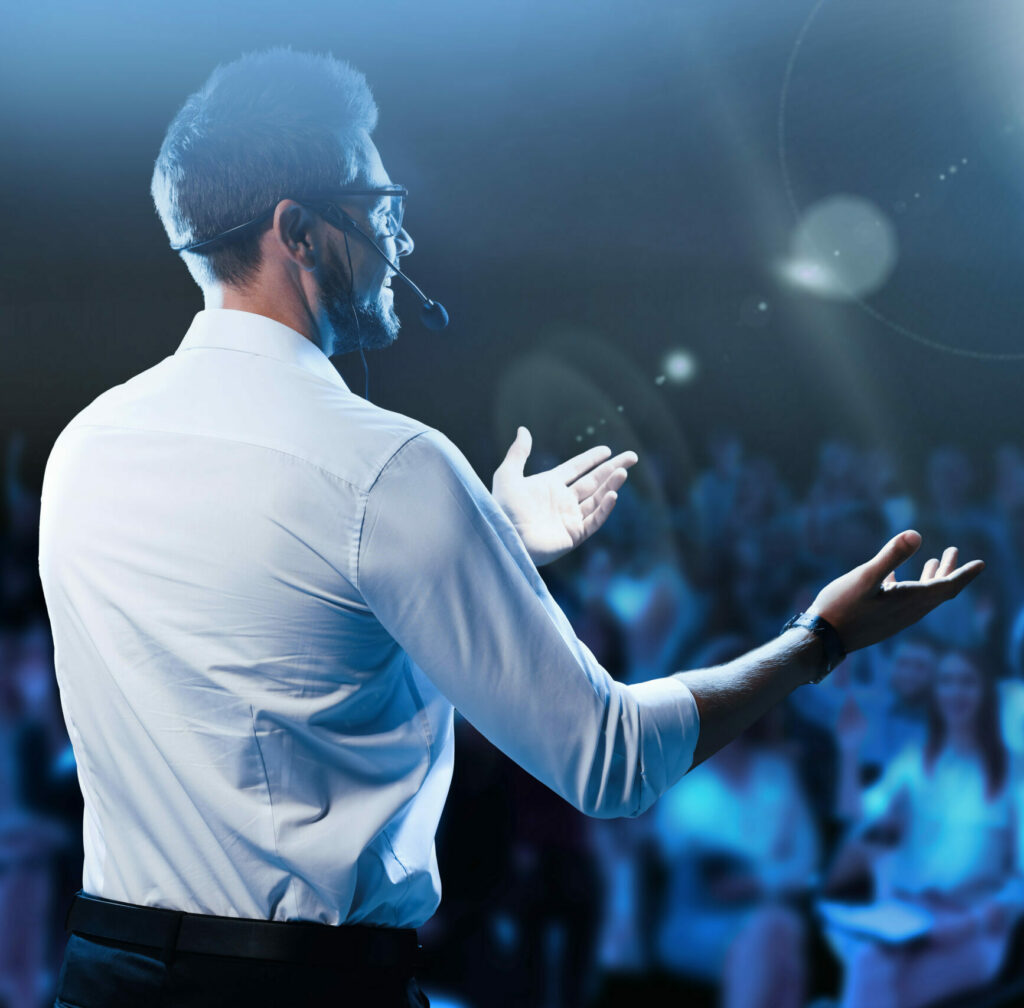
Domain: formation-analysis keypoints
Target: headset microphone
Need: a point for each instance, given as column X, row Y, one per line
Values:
column 433, row 314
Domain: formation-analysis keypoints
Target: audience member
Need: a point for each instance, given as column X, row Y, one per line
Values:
column 740, row 848
column 941, row 833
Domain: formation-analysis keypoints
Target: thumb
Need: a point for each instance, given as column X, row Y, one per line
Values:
column 896, row 551
column 518, row 452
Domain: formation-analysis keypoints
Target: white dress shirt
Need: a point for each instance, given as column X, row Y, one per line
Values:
column 265, row 595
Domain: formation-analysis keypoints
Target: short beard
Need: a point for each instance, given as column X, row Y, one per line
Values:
column 370, row 326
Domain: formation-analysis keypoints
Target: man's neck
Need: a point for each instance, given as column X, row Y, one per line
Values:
column 264, row 302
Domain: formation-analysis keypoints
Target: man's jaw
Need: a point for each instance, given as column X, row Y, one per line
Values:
column 378, row 325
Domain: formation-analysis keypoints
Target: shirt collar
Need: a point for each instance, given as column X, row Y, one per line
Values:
column 231, row 329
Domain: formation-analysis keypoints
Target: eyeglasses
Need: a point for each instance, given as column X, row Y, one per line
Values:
column 387, row 215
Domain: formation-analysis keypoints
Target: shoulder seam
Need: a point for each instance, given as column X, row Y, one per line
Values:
column 366, row 498
column 392, row 456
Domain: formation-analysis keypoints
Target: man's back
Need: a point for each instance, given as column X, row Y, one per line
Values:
column 262, row 591
column 249, row 736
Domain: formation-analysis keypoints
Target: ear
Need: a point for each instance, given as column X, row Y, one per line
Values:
column 297, row 232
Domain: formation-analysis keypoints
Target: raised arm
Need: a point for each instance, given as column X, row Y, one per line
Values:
column 447, row 575
column 449, row 578
column 865, row 605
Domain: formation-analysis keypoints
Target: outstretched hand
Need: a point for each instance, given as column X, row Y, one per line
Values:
column 868, row 604
column 555, row 511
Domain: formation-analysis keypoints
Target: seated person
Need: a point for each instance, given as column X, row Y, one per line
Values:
column 898, row 710
column 738, row 842
column 940, row 829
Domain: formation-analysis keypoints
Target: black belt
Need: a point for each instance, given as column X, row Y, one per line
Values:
column 344, row 946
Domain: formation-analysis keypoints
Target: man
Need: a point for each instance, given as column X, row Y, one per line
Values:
column 267, row 593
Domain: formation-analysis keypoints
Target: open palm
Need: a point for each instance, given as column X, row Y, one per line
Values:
column 555, row 511
column 867, row 604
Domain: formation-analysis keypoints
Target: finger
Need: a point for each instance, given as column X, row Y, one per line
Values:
column 574, row 468
column 929, row 569
column 963, row 576
column 940, row 589
column 890, row 578
column 592, row 523
column 896, row 551
column 614, row 481
column 518, row 452
column 949, row 558
column 589, row 483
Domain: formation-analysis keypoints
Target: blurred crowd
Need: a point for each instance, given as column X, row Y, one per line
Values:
column 863, row 845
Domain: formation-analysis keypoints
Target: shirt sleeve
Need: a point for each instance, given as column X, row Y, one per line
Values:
column 448, row 577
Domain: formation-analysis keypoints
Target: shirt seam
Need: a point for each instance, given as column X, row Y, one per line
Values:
column 366, row 500
column 287, row 362
column 421, row 707
column 270, row 796
column 401, row 864
column 391, row 457
column 241, row 441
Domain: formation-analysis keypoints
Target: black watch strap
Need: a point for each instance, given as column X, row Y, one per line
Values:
column 834, row 650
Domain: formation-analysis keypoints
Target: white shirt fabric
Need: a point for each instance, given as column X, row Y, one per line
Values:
column 265, row 595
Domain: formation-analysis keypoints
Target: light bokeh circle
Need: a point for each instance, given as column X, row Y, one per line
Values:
column 811, row 238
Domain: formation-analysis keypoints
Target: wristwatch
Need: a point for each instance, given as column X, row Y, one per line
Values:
column 834, row 650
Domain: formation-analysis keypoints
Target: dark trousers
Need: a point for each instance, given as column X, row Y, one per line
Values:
column 102, row 973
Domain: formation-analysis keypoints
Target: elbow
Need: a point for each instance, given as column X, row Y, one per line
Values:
column 630, row 808
column 610, row 782
column 606, row 811
column 615, row 789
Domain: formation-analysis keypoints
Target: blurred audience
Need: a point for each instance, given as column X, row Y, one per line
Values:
column 939, row 834
column 741, row 852
column 896, row 714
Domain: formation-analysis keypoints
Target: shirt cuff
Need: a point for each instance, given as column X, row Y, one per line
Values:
column 669, row 726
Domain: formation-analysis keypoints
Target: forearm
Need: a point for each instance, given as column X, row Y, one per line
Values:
column 733, row 696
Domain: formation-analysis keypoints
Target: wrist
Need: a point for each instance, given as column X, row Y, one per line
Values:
column 808, row 653
column 831, row 651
